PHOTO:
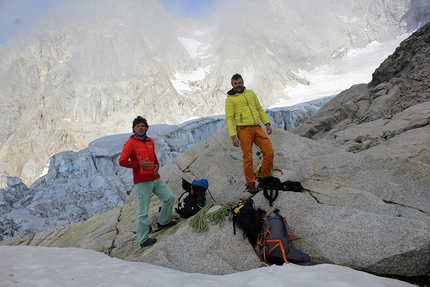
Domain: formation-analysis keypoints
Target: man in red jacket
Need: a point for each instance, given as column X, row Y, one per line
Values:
column 139, row 154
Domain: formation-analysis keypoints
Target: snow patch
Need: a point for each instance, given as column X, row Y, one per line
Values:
column 191, row 45
column 182, row 81
column 346, row 19
column 268, row 51
column 329, row 80
column 205, row 31
column 52, row 266
column 195, row 48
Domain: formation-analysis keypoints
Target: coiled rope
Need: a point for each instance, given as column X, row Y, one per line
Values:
column 200, row 221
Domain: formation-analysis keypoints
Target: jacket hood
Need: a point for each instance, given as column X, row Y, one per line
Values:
column 233, row 91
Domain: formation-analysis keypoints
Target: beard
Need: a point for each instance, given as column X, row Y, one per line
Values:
column 238, row 90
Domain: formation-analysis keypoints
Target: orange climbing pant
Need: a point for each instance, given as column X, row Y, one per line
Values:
column 248, row 136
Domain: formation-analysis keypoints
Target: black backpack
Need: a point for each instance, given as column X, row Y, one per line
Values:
column 247, row 218
column 275, row 242
column 272, row 185
column 289, row 185
column 194, row 197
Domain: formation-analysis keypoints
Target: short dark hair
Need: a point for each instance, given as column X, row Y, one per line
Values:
column 139, row 120
column 236, row 77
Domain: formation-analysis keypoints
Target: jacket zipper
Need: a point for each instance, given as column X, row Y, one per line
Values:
column 247, row 103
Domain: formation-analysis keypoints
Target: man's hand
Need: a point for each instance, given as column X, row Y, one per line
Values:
column 235, row 141
column 145, row 164
column 269, row 129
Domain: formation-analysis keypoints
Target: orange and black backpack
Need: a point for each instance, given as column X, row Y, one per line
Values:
column 275, row 242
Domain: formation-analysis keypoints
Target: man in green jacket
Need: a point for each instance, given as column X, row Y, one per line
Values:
column 243, row 114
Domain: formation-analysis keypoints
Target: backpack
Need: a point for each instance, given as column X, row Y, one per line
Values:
column 272, row 185
column 289, row 185
column 195, row 197
column 247, row 218
column 275, row 242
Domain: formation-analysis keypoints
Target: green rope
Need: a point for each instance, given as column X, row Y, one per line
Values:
column 200, row 221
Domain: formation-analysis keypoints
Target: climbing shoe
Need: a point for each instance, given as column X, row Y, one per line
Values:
column 170, row 224
column 252, row 188
column 148, row 242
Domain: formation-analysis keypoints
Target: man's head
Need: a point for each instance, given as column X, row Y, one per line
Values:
column 237, row 83
column 140, row 125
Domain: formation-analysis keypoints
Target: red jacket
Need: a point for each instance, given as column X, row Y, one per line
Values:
column 133, row 152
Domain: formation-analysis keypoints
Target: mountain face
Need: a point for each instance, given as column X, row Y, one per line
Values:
column 390, row 115
column 364, row 203
column 89, row 67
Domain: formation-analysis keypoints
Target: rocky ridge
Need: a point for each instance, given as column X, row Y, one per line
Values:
column 353, row 212
column 82, row 184
column 388, row 116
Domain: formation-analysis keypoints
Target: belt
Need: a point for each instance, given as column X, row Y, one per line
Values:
column 244, row 127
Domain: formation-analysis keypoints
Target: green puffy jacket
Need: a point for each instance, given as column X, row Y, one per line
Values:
column 243, row 109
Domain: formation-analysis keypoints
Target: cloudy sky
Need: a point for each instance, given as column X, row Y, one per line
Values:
column 17, row 15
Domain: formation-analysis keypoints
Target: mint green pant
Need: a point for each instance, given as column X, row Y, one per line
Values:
column 144, row 191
